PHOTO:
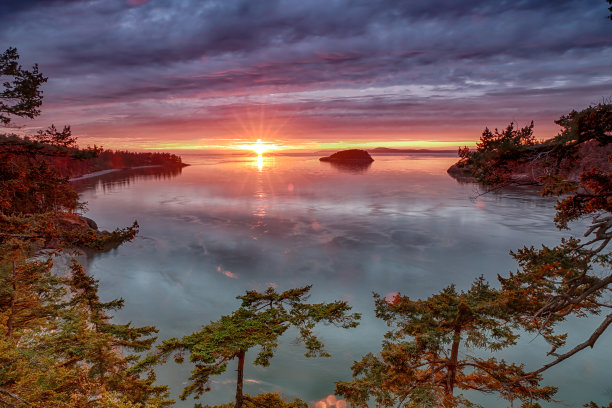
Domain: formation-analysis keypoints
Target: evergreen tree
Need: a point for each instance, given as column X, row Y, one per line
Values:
column 422, row 362
column 574, row 277
column 36, row 202
column 20, row 94
column 259, row 322
column 268, row 400
column 58, row 347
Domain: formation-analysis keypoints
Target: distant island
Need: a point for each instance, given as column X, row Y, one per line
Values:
column 383, row 150
column 352, row 156
column 387, row 150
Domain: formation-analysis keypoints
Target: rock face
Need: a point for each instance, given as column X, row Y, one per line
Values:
column 91, row 223
column 461, row 174
column 352, row 156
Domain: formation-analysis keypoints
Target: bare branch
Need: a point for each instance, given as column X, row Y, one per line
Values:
column 10, row 394
column 588, row 343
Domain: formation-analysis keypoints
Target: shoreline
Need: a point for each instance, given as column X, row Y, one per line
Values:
column 94, row 174
column 108, row 171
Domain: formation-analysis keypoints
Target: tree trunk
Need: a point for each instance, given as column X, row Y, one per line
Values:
column 452, row 364
column 240, row 379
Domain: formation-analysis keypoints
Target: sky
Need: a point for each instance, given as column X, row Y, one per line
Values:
column 198, row 74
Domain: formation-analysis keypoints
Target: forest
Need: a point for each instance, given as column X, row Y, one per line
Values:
column 74, row 162
column 60, row 348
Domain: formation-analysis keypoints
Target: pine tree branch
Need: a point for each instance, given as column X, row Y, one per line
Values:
column 561, row 302
column 5, row 403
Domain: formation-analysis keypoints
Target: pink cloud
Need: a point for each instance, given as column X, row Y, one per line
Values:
column 229, row 274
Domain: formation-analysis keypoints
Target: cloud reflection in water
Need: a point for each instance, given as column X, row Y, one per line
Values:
column 402, row 225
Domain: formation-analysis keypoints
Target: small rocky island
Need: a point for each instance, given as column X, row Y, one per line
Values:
column 352, row 156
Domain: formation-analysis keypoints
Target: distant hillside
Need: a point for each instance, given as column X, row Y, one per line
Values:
column 382, row 150
column 387, row 150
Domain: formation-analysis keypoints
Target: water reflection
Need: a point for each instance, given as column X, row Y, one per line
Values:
column 350, row 167
column 261, row 204
column 263, row 162
column 225, row 226
column 124, row 178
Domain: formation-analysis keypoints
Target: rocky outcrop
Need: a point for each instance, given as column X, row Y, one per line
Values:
column 589, row 155
column 461, row 174
column 77, row 231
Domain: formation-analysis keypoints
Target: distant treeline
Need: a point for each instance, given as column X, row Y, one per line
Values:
column 114, row 159
column 89, row 160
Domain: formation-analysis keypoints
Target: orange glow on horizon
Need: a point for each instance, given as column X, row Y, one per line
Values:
column 259, row 147
column 269, row 145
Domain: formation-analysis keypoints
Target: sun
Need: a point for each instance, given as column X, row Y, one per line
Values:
column 259, row 147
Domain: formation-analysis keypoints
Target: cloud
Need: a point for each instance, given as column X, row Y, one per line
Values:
column 142, row 56
column 229, row 274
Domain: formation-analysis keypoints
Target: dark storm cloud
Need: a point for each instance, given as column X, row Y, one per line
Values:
column 12, row 7
column 125, row 51
column 97, row 35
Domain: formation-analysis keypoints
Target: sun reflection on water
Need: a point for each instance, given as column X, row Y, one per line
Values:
column 261, row 202
column 263, row 162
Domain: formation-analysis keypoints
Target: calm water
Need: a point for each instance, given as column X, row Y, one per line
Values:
column 225, row 225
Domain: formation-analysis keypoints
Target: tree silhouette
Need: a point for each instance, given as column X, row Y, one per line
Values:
column 21, row 94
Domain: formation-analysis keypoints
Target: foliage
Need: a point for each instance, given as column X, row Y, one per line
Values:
column 592, row 123
column 420, row 363
column 419, row 366
column 553, row 283
column 21, row 94
column 497, row 153
column 574, row 277
column 268, row 400
column 594, row 405
column 63, row 230
column 30, row 185
column 57, row 345
column 114, row 159
column 259, row 322
column 37, row 203
column 589, row 195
